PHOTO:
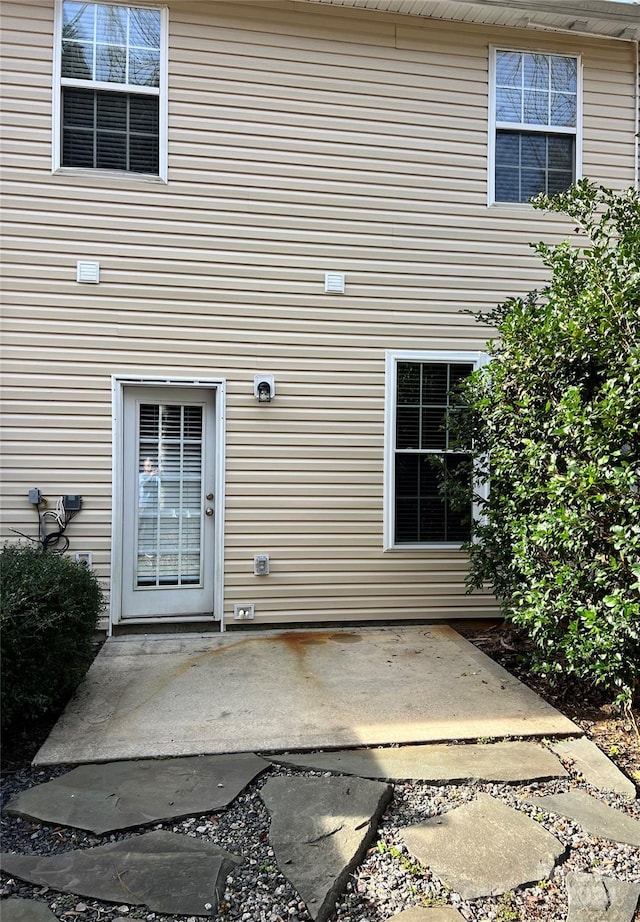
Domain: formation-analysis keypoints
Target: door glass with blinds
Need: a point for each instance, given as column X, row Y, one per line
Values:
column 169, row 520
column 169, row 505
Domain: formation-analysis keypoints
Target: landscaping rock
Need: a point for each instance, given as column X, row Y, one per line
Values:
column 166, row 872
column 594, row 766
column 596, row 817
column 484, row 848
column 120, row 795
column 26, row 911
column 320, row 830
column 600, row 899
column 436, row 763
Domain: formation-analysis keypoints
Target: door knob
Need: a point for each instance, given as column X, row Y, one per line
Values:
column 208, row 511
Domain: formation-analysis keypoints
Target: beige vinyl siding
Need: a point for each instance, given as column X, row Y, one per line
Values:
column 302, row 140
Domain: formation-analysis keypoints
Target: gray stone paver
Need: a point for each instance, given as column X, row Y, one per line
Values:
column 166, row 872
column 428, row 914
column 508, row 762
column 600, row 899
column 320, row 829
column 484, row 848
column 120, row 795
column 16, row 910
column 597, row 818
column 594, row 766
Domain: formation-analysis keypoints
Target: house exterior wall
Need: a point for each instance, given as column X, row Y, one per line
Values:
column 302, row 139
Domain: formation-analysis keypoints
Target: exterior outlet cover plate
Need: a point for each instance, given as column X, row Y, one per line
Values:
column 261, row 564
column 244, row 612
column 85, row 557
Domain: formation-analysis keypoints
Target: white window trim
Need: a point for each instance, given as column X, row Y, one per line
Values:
column 392, row 358
column 163, row 93
column 544, row 129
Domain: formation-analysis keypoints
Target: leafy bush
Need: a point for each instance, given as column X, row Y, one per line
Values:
column 49, row 612
column 556, row 420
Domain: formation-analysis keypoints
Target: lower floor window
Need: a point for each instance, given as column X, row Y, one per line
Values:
column 425, row 509
column 110, row 130
column 427, row 470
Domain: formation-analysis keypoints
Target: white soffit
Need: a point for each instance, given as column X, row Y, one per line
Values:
column 606, row 18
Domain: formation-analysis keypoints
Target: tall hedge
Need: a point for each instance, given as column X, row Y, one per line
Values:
column 49, row 609
column 556, row 421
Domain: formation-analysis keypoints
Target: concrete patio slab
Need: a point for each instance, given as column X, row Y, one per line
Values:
column 168, row 695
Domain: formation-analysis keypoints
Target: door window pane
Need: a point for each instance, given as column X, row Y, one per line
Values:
column 169, row 495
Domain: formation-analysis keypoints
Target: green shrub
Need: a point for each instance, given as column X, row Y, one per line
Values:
column 48, row 614
column 556, row 420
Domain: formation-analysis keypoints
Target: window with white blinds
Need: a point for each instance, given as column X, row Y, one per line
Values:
column 425, row 465
column 111, row 79
column 536, row 132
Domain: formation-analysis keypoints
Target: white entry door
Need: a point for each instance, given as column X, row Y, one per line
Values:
column 168, row 503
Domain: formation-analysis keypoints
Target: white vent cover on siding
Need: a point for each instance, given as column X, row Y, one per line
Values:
column 334, row 282
column 88, row 272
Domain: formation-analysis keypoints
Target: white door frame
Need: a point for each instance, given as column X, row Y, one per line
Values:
column 118, row 384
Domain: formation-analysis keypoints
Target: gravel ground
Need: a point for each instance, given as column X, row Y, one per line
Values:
column 387, row 881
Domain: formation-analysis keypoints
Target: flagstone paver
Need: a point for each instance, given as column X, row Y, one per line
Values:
column 438, row 764
column 600, row 899
column 166, row 872
column 428, row 914
column 320, row 829
column 594, row 766
column 484, row 848
column 597, row 818
column 26, row 911
column 120, row 795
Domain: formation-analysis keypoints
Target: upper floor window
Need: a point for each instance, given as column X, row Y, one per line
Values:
column 110, row 114
column 423, row 462
column 536, row 124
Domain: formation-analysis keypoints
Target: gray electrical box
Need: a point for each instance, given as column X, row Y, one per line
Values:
column 72, row 503
column 261, row 564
